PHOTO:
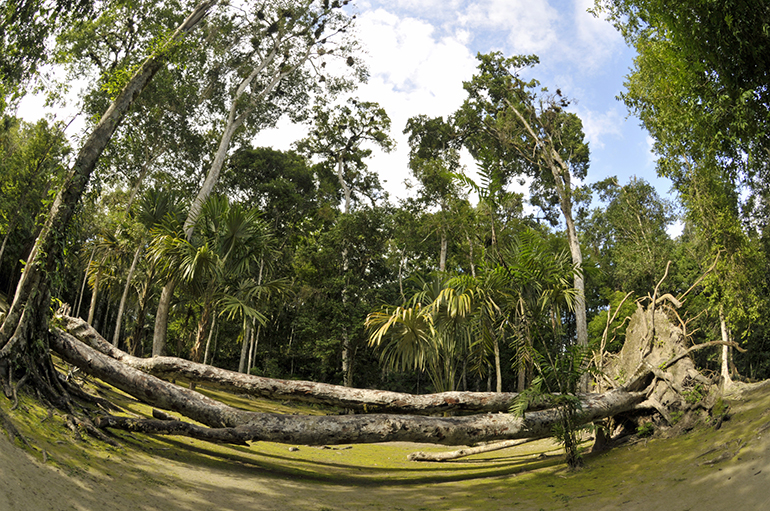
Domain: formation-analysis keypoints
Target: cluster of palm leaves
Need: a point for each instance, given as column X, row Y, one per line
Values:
column 452, row 323
column 223, row 266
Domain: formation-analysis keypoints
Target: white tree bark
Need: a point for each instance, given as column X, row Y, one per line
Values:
column 562, row 181
column 240, row 426
column 727, row 381
column 23, row 316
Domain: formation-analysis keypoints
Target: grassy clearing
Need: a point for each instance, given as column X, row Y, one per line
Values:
column 690, row 471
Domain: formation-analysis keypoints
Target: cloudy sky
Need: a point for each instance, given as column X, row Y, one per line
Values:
column 420, row 51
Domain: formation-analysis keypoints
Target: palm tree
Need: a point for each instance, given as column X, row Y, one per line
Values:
column 153, row 207
column 218, row 264
column 421, row 335
column 541, row 291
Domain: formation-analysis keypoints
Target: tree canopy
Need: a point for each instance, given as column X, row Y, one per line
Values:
column 298, row 265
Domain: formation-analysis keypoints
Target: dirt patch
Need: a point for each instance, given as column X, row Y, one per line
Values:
column 703, row 469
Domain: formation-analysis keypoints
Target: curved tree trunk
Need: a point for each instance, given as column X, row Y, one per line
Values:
column 27, row 316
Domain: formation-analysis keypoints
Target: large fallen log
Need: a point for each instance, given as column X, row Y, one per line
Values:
column 242, row 426
column 364, row 400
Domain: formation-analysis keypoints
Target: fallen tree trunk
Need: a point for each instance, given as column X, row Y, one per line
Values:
column 146, row 388
column 364, row 400
column 470, row 451
column 241, row 426
column 375, row 428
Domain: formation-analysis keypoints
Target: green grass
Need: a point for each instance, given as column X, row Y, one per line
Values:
column 378, row 476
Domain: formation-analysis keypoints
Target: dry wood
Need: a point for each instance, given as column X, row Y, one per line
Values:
column 470, row 451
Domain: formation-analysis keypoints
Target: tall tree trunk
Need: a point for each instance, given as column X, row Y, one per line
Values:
column 443, row 251
column 25, row 318
column 201, row 331
column 727, row 381
column 208, row 340
column 161, row 318
column 347, row 365
column 255, row 342
column 95, row 294
column 521, row 383
column 124, row 297
column 562, row 182
column 498, row 367
column 137, row 336
column 244, row 347
column 85, row 281
column 234, row 121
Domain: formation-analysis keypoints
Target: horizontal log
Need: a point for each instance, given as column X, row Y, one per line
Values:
column 246, row 426
column 363, row 400
column 171, row 427
column 468, row 451
column 375, row 428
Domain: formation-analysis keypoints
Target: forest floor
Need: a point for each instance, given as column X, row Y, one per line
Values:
column 63, row 470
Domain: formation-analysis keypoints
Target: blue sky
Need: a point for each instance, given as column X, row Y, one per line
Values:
column 420, row 51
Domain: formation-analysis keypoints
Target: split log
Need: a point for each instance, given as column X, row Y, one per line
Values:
column 243, row 426
column 364, row 400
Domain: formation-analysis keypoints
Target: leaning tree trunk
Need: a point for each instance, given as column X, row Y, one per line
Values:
column 234, row 122
column 27, row 317
column 124, row 297
column 562, row 182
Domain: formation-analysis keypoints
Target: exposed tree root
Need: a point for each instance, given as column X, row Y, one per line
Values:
column 11, row 429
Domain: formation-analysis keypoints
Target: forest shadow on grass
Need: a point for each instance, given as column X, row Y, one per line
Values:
column 156, row 472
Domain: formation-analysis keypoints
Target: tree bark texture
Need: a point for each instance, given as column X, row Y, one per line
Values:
column 124, row 296
column 364, row 400
column 244, row 426
column 161, row 318
column 376, row 428
column 562, row 181
column 304, row 391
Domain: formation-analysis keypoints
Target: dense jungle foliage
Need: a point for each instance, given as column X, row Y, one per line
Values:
column 296, row 264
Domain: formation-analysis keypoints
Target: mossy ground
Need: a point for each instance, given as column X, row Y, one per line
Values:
column 702, row 469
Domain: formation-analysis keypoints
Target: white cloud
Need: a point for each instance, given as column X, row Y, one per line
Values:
column 597, row 126
column 530, row 26
column 597, row 40
column 414, row 70
column 652, row 158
